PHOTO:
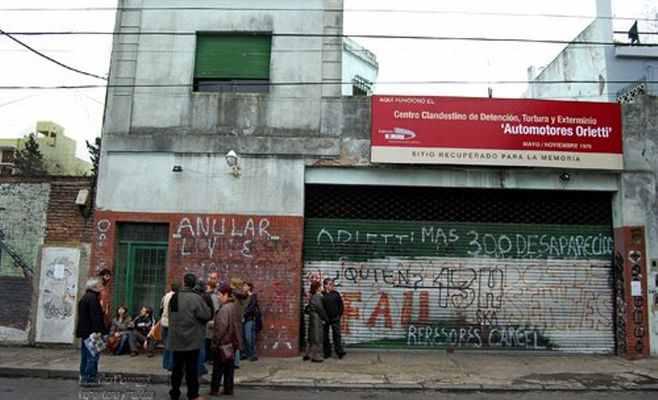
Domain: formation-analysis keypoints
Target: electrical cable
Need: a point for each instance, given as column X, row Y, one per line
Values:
column 327, row 83
column 358, row 36
column 330, row 10
column 40, row 54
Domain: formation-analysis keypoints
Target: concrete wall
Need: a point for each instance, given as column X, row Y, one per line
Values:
column 635, row 203
column 146, row 183
column 37, row 212
column 169, row 60
column 598, row 62
column 577, row 62
column 357, row 61
column 23, row 224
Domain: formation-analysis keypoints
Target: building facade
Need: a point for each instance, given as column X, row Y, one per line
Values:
column 58, row 152
column 617, row 72
column 265, row 173
column 360, row 69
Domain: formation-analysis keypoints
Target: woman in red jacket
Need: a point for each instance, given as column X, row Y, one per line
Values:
column 227, row 340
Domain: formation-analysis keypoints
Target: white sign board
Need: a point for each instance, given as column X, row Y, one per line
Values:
column 58, row 292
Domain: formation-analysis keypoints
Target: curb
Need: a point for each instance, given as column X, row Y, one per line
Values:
column 39, row 373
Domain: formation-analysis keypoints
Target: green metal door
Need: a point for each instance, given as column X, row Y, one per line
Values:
column 140, row 277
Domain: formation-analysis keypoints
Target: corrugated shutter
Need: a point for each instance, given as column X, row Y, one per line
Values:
column 478, row 285
column 224, row 56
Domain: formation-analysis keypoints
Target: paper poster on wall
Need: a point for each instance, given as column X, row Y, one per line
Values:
column 636, row 289
column 58, row 288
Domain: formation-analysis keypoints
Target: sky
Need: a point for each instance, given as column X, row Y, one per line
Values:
column 80, row 111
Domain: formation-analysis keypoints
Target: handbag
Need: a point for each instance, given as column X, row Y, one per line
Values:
column 226, row 351
column 113, row 343
column 156, row 332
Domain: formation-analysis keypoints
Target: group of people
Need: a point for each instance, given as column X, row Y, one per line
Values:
column 324, row 310
column 127, row 334
column 200, row 322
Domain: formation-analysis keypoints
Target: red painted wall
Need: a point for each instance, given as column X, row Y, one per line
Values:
column 266, row 250
column 632, row 309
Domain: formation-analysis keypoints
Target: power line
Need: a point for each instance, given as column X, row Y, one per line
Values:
column 328, row 83
column 40, row 54
column 358, row 36
column 331, row 10
column 639, row 33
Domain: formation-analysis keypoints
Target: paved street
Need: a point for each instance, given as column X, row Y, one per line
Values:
column 17, row 389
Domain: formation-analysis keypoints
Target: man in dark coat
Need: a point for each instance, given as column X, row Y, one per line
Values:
column 90, row 320
column 188, row 315
column 333, row 305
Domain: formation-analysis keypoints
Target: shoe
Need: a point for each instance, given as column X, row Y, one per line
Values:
column 213, row 393
column 306, row 358
column 254, row 358
column 341, row 355
column 149, row 355
column 317, row 361
column 133, row 354
column 327, row 356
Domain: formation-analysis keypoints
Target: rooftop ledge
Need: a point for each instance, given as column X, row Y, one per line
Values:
column 636, row 52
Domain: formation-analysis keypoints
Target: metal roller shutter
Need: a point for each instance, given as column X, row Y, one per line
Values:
column 475, row 269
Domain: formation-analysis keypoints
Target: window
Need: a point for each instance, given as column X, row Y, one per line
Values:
column 232, row 62
column 361, row 86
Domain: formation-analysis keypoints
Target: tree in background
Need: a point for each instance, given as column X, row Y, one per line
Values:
column 95, row 156
column 29, row 160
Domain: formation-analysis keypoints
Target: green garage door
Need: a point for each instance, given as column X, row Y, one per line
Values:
column 432, row 268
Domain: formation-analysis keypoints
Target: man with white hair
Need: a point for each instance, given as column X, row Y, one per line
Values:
column 90, row 321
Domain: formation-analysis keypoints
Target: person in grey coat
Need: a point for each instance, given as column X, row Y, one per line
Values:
column 317, row 317
column 188, row 315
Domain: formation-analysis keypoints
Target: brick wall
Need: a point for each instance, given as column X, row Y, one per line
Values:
column 34, row 212
column 266, row 250
column 15, row 302
column 65, row 223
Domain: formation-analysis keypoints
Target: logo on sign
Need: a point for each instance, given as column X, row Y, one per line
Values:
column 399, row 134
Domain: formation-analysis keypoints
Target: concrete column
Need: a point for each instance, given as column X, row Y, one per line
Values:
column 634, row 206
column 332, row 49
column 119, row 101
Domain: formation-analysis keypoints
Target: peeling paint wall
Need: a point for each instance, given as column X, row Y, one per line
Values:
column 635, row 204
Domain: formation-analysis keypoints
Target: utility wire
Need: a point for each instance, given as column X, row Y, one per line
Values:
column 331, row 10
column 359, row 36
column 40, row 54
column 329, row 83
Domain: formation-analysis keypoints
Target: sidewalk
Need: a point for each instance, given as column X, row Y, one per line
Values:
column 420, row 370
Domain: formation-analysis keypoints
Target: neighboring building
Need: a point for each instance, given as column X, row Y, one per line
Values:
column 602, row 64
column 228, row 147
column 45, row 245
column 360, row 68
column 8, row 155
column 58, row 152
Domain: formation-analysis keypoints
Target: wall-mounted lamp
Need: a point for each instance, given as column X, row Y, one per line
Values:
column 233, row 161
column 177, row 168
column 83, row 201
column 565, row 177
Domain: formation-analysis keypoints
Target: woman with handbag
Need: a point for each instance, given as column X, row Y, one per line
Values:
column 317, row 316
column 226, row 341
column 122, row 325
